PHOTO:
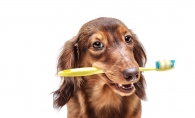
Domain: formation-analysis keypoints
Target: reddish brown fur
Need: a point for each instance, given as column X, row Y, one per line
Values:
column 94, row 96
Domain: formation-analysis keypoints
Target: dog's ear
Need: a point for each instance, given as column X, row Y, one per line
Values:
column 68, row 59
column 140, row 57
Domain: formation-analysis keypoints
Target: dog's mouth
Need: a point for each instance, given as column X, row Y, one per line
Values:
column 122, row 88
column 125, row 88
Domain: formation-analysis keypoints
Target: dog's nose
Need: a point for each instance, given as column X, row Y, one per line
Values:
column 131, row 74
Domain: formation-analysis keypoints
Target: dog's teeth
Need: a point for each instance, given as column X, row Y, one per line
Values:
column 123, row 87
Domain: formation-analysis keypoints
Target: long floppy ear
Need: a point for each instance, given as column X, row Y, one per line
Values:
column 140, row 57
column 68, row 59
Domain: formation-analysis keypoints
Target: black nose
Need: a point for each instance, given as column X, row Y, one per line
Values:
column 131, row 74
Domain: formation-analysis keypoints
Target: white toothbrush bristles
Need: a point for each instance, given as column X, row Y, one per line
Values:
column 165, row 64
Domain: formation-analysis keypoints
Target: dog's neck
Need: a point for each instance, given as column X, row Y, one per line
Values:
column 102, row 93
column 101, row 99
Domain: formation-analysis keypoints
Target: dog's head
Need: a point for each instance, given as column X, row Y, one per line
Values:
column 105, row 43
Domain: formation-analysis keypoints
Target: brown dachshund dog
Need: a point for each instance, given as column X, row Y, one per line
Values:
column 105, row 43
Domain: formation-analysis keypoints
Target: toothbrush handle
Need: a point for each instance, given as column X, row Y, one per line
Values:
column 80, row 72
column 146, row 69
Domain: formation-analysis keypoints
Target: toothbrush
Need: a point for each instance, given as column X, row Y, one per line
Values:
column 161, row 65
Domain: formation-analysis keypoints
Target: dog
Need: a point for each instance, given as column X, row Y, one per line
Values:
column 105, row 43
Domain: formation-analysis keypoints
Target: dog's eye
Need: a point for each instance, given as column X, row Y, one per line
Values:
column 98, row 45
column 128, row 39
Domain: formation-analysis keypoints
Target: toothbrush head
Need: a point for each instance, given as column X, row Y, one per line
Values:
column 165, row 64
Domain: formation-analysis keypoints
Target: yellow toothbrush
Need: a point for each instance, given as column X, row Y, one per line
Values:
column 86, row 71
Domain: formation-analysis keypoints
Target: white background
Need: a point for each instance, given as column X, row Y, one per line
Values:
column 32, row 33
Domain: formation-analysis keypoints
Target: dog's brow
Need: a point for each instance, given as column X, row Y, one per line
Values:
column 99, row 36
